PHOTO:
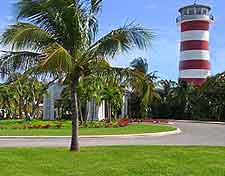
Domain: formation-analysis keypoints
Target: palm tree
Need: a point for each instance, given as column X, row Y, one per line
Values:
column 180, row 99
column 107, row 84
column 140, row 65
column 112, row 92
column 8, row 99
column 162, row 108
column 143, row 84
column 61, row 39
column 23, row 94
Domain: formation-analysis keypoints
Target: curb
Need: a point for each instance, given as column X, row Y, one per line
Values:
column 203, row 122
column 160, row 134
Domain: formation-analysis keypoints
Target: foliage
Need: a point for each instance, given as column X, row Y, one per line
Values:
column 183, row 101
column 40, row 124
column 106, row 124
column 20, row 96
column 62, row 128
column 143, row 85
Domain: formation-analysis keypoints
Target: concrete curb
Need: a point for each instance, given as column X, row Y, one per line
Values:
column 203, row 122
column 160, row 134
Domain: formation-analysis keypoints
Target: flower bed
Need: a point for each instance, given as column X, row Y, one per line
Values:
column 32, row 126
column 150, row 120
column 37, row 124
column 106, row 124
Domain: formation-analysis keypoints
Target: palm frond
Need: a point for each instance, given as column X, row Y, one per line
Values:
column 56, row 59
column 91, row 19
column 122, row 40
column 26, row 36
column 140, row 64
column 12, row 61
column 96, row 6
column 36, row 10
column 48, row 15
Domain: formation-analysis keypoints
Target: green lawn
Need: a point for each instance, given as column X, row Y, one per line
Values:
column 131, row 129
column 114, row 161
column 66, row 130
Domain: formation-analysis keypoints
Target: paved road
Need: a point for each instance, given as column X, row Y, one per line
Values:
column 192, row 134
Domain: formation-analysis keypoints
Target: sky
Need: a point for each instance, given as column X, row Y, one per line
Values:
column 158, row 15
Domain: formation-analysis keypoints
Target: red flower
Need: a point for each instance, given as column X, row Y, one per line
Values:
column 123, row 122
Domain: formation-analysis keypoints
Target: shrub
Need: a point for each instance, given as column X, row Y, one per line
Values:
column 116, row 124
column 37, row 126
column 45, row 126
column 59, row 125
column 149, row 120
column 29, row 126
column 123, row 122
column 15, row 127
column 105, row 124
column 2, row 127
column 109, row 125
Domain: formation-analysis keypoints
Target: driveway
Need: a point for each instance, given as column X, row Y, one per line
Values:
column 192, row 134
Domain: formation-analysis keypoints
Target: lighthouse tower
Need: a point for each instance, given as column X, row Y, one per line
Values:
column 194, row 22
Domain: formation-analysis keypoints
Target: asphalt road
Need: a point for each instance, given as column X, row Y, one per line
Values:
column 192, row 134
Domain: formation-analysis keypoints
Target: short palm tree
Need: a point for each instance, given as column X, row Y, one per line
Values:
column 59, row 37
column 143, row 84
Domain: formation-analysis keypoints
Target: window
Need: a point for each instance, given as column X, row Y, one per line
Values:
column 204, row 11
column 199, row 11
column 191, row 11
column 184, row 12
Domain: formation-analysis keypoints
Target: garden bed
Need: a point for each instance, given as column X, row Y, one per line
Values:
column 63, row 128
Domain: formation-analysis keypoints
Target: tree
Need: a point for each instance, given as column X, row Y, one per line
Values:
column 8, row 99
column 113, row 90
column 143, row 84
column 61, row 39
column 107, row 84
column 22, row 94
column 210, row 104
column 162, row 107
column 176, row 100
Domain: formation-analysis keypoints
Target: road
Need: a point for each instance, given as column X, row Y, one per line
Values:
column 192, row 134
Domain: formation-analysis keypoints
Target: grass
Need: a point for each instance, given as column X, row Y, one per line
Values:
column 66, row 130
column 114, row 161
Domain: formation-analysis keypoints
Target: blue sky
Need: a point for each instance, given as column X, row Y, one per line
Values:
column 159, row 15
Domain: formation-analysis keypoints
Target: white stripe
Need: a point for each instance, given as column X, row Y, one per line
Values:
column 187, row 18
column 195, row 55
column 195, row 73
column 195, row 35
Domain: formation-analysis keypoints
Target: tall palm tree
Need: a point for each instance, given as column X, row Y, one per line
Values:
column 59, row 37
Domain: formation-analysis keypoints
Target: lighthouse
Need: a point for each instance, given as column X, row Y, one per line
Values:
column 194, row 21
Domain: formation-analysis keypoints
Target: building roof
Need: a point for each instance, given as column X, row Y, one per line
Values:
column 195, row 5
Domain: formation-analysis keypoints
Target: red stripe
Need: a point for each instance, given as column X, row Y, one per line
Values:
column 194, row 45
column 194, row 64
column 195, row 25
column 194, row 81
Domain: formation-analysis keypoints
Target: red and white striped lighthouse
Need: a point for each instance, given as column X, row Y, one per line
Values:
column 194, row 21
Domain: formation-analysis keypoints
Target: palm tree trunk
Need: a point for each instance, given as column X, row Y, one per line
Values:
column 81, row 113
column 75, row 116
column 20, row 107
column 109, row 111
